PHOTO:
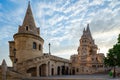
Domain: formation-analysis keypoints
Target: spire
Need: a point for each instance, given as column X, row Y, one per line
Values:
column 28, row 25
column 84, row 30
column 88, row 30
column 29, row 20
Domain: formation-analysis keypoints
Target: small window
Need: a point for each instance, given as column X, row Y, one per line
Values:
column 39, row 47
column 26, row 28
column 34, row 45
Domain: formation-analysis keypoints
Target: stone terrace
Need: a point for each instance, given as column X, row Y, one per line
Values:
column 76, row 77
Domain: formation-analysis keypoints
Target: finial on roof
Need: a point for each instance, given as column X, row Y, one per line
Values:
column 29, row 2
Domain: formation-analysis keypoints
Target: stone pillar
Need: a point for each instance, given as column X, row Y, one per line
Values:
column 37, row 71
column 47, row 69
column 14, row 66
column 4, row 70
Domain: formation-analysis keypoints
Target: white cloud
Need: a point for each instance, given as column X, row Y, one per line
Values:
column 96, row 2
column 6, row 32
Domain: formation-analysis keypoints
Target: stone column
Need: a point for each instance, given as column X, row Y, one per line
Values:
column 14, row 66
column 37, row 71
column 47, row 69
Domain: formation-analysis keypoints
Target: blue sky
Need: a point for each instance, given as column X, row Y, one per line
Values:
column 61, row 23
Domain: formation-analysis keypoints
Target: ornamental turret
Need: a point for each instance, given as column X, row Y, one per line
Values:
column 87, row 45
column 27, row 43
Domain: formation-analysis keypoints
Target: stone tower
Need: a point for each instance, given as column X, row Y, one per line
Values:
column 87, row 45
column 27, row 42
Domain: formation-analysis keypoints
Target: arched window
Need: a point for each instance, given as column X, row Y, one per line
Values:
column 34, row 45
column 77, row 70
column 39, row 46
column 26, row 28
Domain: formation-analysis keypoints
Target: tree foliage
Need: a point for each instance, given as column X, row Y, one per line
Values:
column 113, row 55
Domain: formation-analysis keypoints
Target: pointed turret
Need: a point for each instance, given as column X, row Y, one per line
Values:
column 88, row 32
column 84, row 30
column 27, row 41
column 88, row 29
column 29, row 20
column 28, row 25
column 87, row 45
column 4, row 63
column 4, row 70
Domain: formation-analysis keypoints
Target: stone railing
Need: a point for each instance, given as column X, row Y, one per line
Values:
column 36, row 60
column 52, row 57
column 41, row 59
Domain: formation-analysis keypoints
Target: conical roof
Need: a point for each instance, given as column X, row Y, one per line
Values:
column 28, row 25
column 29, row 20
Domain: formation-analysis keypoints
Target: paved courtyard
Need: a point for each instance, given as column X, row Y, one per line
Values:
column 77, row 77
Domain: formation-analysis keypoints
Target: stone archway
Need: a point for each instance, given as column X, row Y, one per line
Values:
column 42, row 70
column 73, row 71
column 52, row 71
column 67, row 70
column 58, row 70
column 63, row 70
column 32, row 71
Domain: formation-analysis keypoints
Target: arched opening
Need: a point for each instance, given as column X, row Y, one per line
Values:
column 39, row 70
column 63, row 70
column 26, row 28
column 73, row 71
column 39, row 46
column 67, row 69
column 42, row 70
column 34, row 45
column 58, row 70
column 52, row 71
column 32, row 71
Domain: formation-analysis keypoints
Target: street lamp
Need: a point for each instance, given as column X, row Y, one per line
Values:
column 49, row 48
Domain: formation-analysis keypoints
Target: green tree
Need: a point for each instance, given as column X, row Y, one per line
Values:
column 113, row 56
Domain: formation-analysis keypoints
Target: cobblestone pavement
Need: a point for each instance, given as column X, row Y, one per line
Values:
column 77, row 77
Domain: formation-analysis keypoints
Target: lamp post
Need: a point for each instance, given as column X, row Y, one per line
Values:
column 49, row 49
column 114, row 72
